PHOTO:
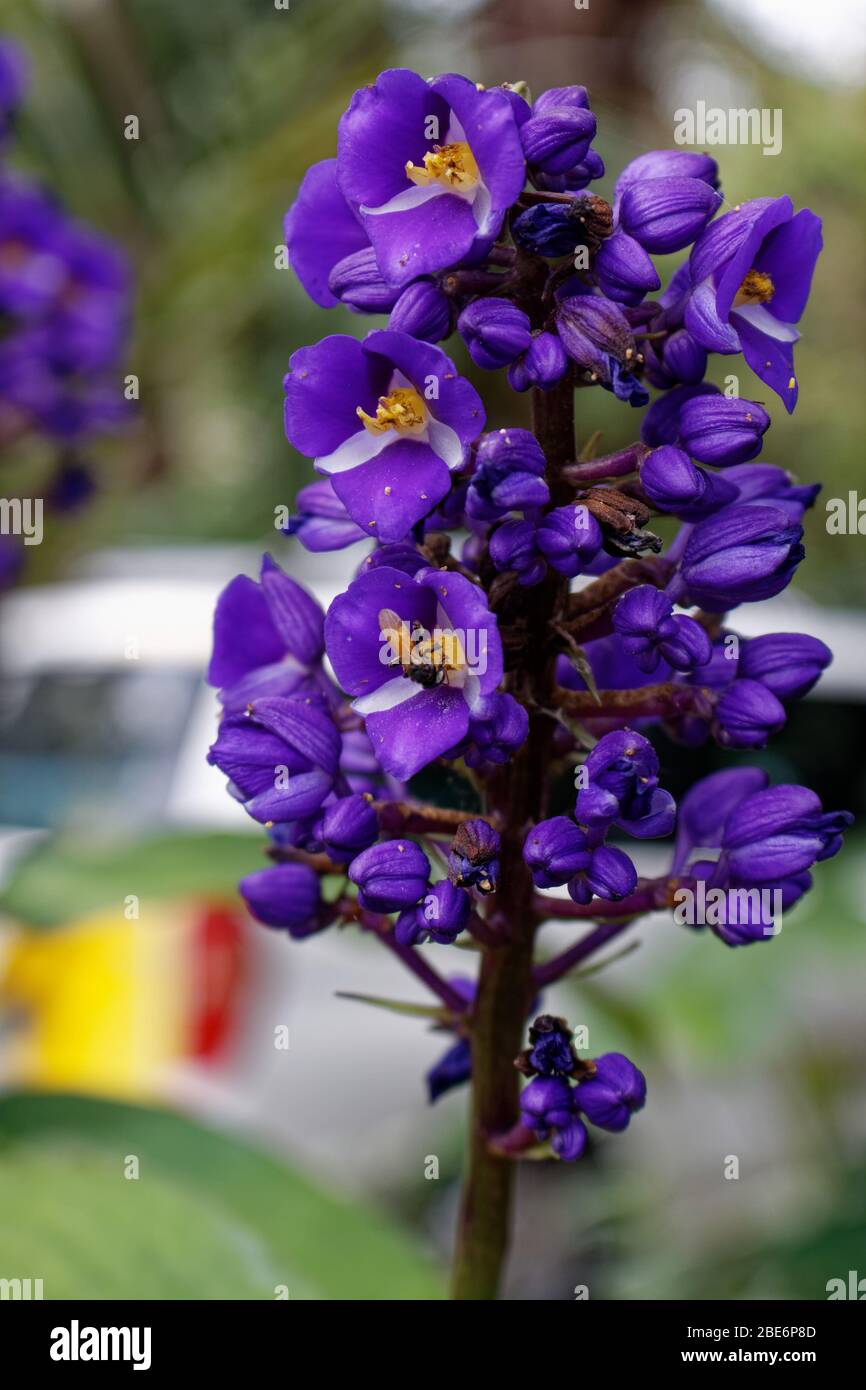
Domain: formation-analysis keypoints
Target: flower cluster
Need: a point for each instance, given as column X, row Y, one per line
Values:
column 515, row 616
column 64, row 317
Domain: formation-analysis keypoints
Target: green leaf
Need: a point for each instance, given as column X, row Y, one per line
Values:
column 207, row 1217
column 397, row 1006
column 64, row 879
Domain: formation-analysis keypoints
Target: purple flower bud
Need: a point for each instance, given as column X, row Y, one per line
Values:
column 674, row 484
column 423, row 310
column 573, row 180
column 548, row 229
column 569, row 1141
column 513, row 547
column 287, row 896
column 547, row 1103
column 570, row 537
column 788, row 663
column 661, row 424
column 778, row 832
column 348, row 826
column 651, row 632
column 666, row 214
column 453, row 1069
column 624, row 271
column 441, row 917
column 740, row 555
column 495, row 332
column 558, row 134
column 667, row 164
column 543, row 365
column 611, row 875
column 509, row 475
column 764, row 482
column 390, row 875
column 497, row 727
column 555, row 850
column 622, row 786
column 610, row 1097
column 746, row 714
column 474, row 858
column 722, row 431
column 397, row 555
column 683, row 358
column 356, row 280
column 322, row 522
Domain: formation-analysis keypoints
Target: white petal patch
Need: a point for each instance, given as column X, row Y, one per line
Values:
column 388, row 696
column 357, row 449
column 408, row 198
column 759, row 316
column 445, row 442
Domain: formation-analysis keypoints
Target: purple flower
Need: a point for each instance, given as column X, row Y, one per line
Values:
column 558, row 133
column 495, row 331
column 508, row 476
column 746, row 714
column 473, row 861
column 764, row 482
column 610, row 1097
column 282, row 758
column 551, row 1052
column 667, row 164
column 391, row 875
column 683, row 359
column 416, row 653
column 453, row 1068
column 321, row 230
column 651, row 632
column 387, row 419
column 788, row 663
column 348, row 826
column 555, row 851
column 598, row 337
column 569, row 537
column 721, row 430
column 673, row 483
column 431, row 168
column 321, row 521
column 611, row 875
column 286, row 896
column 268, row 638
column 740, row 555
column 661, row 424
column 751, row 273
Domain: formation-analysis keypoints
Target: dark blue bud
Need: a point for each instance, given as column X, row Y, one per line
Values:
column 573, row 180
column 610, row 1097
column 611, row 875
column 546, row 1104
column 548, row 229
column 543, row 365
column 673, row 483
column 624, row 271
column 740, row 555
column 651, row 632
column 555, row 850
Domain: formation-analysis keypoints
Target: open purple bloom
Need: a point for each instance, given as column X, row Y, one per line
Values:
column 321, row 231
column 751, row 272
column 282, row 758
column 416, row 653
column 431, row 168
column 387, row 419
column 268, row 638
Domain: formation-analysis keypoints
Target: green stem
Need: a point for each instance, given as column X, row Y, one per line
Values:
column 516, row 794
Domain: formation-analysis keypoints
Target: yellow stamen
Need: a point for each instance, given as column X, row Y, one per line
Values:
column 451, row 165
column 757, row 288
column 403, row 411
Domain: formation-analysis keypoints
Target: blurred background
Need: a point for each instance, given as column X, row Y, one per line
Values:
column 138, row 1006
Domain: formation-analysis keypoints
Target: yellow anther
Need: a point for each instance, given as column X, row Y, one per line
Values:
column 403, row 411
column 453, row 166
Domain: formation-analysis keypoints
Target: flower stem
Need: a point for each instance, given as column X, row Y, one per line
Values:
column 516, row 794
